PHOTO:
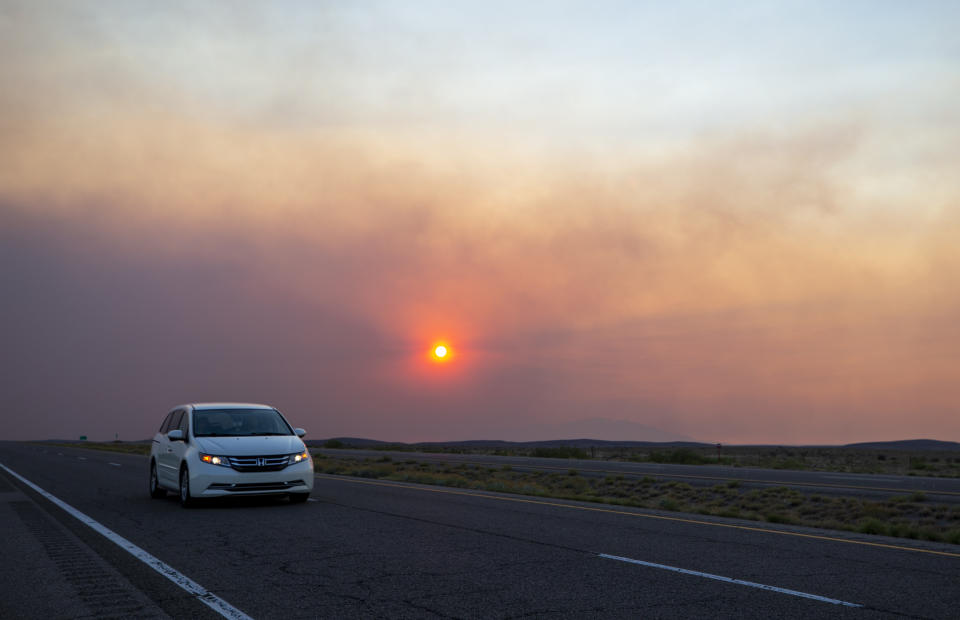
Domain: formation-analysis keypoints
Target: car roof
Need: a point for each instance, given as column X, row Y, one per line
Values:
column 228, row 406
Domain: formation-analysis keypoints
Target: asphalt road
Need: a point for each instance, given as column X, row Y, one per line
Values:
column 943, row 490
column 368, row 549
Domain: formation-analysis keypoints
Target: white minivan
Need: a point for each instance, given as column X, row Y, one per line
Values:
column 229, row 449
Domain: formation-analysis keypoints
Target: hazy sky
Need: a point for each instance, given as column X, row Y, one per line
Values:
column 735, row 222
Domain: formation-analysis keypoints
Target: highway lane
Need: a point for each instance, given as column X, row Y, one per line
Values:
column 369, row 548
column 944, row 490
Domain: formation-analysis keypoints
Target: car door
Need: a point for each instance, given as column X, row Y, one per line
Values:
column 159, row 444
column 178, row 449
column 167, row 463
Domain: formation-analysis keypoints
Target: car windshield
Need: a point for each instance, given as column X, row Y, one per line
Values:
column 239, row 423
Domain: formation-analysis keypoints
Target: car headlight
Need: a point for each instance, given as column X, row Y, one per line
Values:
column 299, row 457
column 215, row 460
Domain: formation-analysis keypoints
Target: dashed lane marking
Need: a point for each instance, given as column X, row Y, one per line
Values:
column 740, row 582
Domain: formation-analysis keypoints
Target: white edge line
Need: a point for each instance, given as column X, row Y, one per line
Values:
column 206, row 597
column 730, row 580
column 114, row 464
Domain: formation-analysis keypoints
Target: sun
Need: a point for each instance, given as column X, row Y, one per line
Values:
column 441, row 352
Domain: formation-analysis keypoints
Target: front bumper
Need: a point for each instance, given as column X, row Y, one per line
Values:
column 208, row 480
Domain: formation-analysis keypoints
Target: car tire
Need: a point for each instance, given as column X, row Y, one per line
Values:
column 299, row 498
column 156, row 491
column 185, row 500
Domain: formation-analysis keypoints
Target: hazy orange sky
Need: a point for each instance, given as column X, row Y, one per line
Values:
column 735, row 223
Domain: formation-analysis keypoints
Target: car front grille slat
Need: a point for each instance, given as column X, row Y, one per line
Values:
column 248, row 487
column 259, row 463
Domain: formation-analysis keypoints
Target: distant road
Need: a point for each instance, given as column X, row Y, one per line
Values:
column 945, row 490
column 367, row 548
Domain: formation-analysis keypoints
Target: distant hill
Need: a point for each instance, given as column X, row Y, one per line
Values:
column 355, row 442
column 83, row 441
column 605, row 429
column 554, row 443
column 583, row 433
column 359, row 442
column 907, row 444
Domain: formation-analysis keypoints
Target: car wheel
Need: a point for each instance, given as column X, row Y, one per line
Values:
column 156, row 491
column 185, row 500
column 299, row 498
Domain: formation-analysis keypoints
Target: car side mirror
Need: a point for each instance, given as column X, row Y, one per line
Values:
column 175, row 435
column 299, row 432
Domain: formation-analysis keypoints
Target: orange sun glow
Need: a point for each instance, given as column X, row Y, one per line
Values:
column 440, row 352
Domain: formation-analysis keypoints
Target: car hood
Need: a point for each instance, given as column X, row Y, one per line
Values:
column 251, row 446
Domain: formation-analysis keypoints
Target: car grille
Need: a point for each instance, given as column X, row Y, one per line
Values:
column 259, row 463
column 248, row 487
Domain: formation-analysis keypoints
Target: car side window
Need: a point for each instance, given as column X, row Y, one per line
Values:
column 182, row 424
column 175, row 420
column 166, row 423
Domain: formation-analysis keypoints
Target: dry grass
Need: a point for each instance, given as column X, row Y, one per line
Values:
column 838, row 459
column 906, row 516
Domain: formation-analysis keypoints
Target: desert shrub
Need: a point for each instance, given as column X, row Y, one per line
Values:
column 373, row 472
column 775, row 517
column 669, row 504
column 901, row 530
column 788, row 464
column 873, row 526
column 930, row 533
